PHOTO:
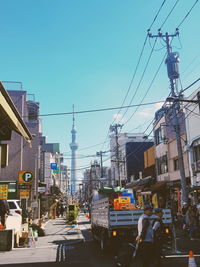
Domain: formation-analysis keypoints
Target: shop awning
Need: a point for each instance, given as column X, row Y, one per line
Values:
column 140, row 183
column 10, row 119
column 158, row 186
column 107, row 190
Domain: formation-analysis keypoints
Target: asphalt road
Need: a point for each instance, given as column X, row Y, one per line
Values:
column 69, row 246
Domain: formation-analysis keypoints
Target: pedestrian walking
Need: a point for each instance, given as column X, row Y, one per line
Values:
column 58, row 210
column 191, row 221
column 158, row 229
column 61, row 209
column 145, row 250
column 4, row 210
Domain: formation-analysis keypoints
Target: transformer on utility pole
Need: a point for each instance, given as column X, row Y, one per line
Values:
column 172, row 61
column 114, row 128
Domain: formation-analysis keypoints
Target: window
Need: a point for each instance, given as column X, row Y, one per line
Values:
column 162, row 166
column 176, row 164
column 159, row 135
column 12, row 205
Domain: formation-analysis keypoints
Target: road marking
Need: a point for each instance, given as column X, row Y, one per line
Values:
column 180, row 256
column 27, row 248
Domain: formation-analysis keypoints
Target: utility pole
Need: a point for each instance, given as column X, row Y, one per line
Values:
column 198, row 99
column 173, row 74
column 100, row 154
column 114, row 128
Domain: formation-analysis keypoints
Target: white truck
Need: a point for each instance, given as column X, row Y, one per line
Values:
column 110, row 225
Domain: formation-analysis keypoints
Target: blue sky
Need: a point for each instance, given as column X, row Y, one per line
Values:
column 84, row 52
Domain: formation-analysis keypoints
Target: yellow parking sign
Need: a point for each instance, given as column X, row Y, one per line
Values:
column 25, row 177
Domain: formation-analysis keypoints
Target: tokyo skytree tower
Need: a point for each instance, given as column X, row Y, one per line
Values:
column 74, row 147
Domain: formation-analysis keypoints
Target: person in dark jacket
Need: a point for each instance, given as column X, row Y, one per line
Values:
column 4, row 210
column 158, row 229
column 145, row 238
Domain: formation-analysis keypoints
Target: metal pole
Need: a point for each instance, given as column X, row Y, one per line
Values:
column 178, row 134
column 114, row 128
column 198, row 98
column 101, row 160
column 175, row 106
column 101, row 165
column 117, row 154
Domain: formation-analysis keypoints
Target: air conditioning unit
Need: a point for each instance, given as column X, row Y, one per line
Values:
column 195, row 166
column 166, row 178
column 165, row 141
column 198, row 166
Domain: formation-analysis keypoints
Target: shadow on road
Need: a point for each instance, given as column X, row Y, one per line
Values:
column 67, row 242
column 84, row 222
column 37, row 264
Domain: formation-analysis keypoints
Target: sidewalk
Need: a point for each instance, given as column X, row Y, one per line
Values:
column 43, row 250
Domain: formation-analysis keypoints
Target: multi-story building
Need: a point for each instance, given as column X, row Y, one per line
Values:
column 166, row 153
column 12, row 125
column 22, row 156
column 64, row 185
column 127, row 162
column 52, row 171
column 193, row 143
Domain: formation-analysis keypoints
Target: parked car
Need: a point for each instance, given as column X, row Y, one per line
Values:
column 15, row 209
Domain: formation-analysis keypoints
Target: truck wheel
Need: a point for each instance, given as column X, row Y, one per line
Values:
column 103, row 242
column 93, row 235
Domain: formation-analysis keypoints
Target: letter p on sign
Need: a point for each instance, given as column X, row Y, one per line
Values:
column 25, row 177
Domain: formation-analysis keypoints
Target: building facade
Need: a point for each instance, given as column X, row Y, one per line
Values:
column 130, row 162
column 22, row 157
column 166, row 153
column 193, row 144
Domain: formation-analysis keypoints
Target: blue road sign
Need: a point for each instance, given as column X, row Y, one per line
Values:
column 54, row 166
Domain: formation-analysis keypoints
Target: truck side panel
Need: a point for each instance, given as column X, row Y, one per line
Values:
column 100, row 213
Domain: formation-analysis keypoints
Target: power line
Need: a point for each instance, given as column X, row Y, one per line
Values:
column 96, row 110
column 150, row 124
column 157, row 14
column 137, row 65
column 190, row 85
column 159, row 67
column 153, row 49
column 137, row 88
column 140, row 56
column 138, row 149
column 169, row 13
column 187, row 14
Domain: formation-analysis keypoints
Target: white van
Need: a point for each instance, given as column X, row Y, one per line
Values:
column 15, row 207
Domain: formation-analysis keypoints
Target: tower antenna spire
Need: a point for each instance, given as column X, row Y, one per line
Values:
column 73, row 116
